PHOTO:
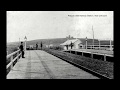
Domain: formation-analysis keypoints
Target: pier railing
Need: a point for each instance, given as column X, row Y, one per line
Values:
column 104, row 57
column 11, row 60
column 99, row 47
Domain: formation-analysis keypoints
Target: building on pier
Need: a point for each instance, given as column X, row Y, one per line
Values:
column 71, row 44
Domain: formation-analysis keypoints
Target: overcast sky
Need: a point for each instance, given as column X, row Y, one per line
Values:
column 58, row 24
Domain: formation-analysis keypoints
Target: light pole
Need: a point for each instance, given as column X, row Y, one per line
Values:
column 25, row 42
column 19, row 41
column 93, row 37
column 86, row 42
column 110, row 45
column 99, row 44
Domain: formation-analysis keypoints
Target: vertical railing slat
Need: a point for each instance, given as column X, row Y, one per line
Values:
column 11, row 57
column 104, row 57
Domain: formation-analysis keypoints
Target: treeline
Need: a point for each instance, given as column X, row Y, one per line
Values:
column 11, row 48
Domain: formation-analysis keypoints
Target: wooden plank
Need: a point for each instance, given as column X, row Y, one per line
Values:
column 41, row 65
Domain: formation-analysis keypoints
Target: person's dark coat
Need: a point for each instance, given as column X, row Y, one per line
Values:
column 21, row 47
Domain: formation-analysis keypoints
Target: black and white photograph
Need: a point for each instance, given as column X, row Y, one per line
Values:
column 60, row 45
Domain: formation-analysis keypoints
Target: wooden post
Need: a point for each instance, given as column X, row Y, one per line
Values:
column 91, row 55
column 110, row 45
column 11, row 58
column 25, row 45
column 93, row 37
column 76, row 52
column 17, row 55
column 82, row 53
column 25, row 42
column 104, row 57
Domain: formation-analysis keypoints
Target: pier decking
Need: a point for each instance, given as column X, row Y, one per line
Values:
column 39, row 64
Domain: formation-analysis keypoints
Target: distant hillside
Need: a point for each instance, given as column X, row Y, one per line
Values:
column 58, row 41
column 11, row 47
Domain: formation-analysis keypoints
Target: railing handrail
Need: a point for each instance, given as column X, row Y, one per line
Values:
column 12, row 59
column 96, row 53
column 100, row 45
column 8, row 56
column 8, row 65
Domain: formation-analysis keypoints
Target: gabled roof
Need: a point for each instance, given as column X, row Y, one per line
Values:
column 68, row 42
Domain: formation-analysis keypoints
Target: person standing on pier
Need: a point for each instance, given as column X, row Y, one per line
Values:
column 36, row 46
column 41, row 45
column 22, row 49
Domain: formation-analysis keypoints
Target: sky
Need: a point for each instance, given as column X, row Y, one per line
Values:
column 59, row 24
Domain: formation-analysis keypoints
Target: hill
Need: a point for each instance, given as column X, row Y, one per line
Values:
column 58, row 41
column 11, row 47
